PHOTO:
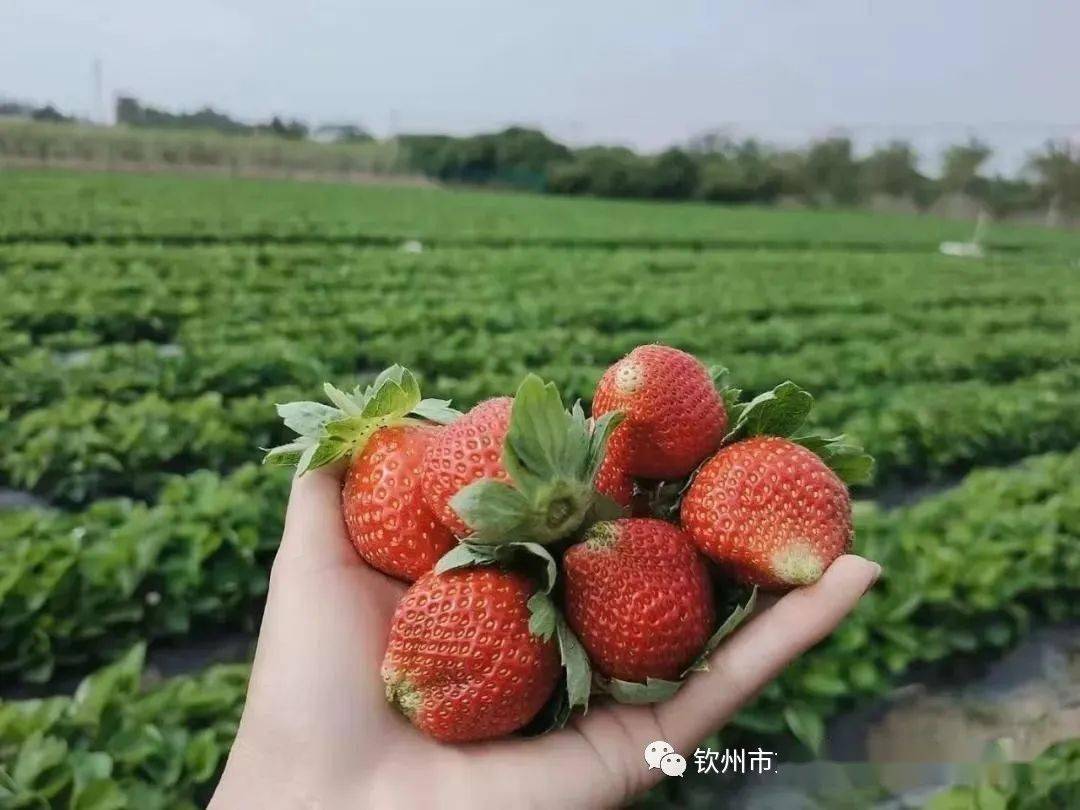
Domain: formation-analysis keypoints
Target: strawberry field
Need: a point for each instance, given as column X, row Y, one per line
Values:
column 148, row 326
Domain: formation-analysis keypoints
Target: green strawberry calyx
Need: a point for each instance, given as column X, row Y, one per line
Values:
column 326, row 433
column 655, row 690
column 782, row 412
column 552, row 456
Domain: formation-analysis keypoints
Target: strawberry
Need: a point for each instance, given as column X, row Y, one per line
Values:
column 675, row 417
column 383, row 432
column 770, row 511
column 388, row 521
column 467, row 451
column 639, row 598
column 461, row 662
column 521, row 469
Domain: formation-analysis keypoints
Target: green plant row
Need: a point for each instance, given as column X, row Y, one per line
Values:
column 114, row 745
column 82, row 207
column 122, row 372
column 819, row 348
column 81, row 587
column 964, row 571
column 77, row 450
column 128, row 293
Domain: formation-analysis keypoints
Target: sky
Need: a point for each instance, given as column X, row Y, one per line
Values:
column 645, row 74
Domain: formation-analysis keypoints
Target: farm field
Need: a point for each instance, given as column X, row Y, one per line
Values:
column 149, row 324
column 49, row 205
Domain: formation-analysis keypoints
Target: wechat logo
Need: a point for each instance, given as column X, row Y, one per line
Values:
column 662, row 755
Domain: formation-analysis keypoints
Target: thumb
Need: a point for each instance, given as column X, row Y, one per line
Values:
column 315, row 535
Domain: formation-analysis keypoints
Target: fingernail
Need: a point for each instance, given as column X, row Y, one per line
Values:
column 876, row 577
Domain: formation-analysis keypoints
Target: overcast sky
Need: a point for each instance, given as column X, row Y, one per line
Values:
column 647, row 74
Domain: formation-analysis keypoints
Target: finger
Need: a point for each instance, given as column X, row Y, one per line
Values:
column 315, row 533
column 759, row 651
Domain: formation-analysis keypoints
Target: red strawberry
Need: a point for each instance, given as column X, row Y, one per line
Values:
column 674, row 415
column 638, row 596
column 466, row 451
column 461, row 663
column 389, row 523
column 770, row 511
column 383, row 431
column 521, row 469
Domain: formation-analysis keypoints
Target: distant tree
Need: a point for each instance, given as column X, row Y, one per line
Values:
column 50, row 114
column 961, row 164
column 831, row 172
column 604, row 172
column 741, row 173
column 292, row 130
column 1057, row 168
column 892, row 170
column 130, row 112
column 529, row 149
column 517, row 156
column 1004, row 196
column 674, row 176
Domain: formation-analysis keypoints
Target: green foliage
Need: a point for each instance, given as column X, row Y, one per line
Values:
column 103, row 208
column 79, row 587
column 514, row 157
column 994, row 554
column 149, row 324
column 111, row 351
column 115, row 745
column 1049, row 782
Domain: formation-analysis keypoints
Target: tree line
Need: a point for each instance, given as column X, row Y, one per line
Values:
column 715, row 168
column 711, row 167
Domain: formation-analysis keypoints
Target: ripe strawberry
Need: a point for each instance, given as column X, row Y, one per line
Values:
column 461, row 663
column 638, row 596
column 674, row 415
column 388, row 521
column 466, row 451
column 770, row 511
column 520, row 469
column 383, row 431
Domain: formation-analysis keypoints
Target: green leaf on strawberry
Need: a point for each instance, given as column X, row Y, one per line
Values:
column 731, row 395
column 531, row 557
column 734, row 619
column 543, row 615
column 779, row 412
column 844, row 457
column 551, row 456
column 327, row 433
column 576, row 662
column 436, row 410
column 654, row 690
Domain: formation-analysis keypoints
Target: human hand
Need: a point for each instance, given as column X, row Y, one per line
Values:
column 317, row 731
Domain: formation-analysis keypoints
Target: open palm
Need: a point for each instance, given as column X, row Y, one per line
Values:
column 317, row 731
